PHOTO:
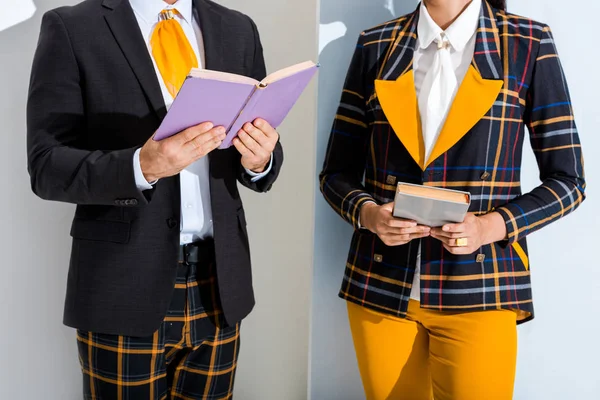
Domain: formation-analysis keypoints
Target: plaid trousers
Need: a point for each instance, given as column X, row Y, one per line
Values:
column 193, row 355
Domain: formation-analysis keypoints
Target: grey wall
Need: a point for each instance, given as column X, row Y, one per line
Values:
column 558, row 351
column 274, row 352
column 39, row 358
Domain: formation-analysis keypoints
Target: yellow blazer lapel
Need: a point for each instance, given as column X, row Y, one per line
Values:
column 395, row 89
column 398, row 100
column 474, row 98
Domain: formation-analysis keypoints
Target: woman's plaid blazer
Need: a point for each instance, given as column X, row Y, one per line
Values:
column 515, row 82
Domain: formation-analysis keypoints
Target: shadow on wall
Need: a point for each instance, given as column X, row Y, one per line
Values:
column 334, row 374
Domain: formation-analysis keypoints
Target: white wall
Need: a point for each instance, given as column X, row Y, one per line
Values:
column 39, row 358
column 558, row 351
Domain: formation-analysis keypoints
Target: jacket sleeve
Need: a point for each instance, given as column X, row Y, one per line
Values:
column 58, row 168
column 555, row 142
column 264, row 184
column 341, row 180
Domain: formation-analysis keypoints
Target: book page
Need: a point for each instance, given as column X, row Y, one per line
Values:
column 289, row 71
column 222, row 76
column 434, row 193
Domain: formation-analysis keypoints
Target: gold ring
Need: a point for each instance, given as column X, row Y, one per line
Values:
column 462, row 242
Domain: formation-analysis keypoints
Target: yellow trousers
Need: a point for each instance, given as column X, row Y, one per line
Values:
column 435, row 355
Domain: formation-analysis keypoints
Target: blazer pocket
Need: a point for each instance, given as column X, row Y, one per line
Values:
column 101, row 230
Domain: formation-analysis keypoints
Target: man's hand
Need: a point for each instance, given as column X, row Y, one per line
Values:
column 392, row 231
column 170, row 156
column 475, row 231
column 256, row 142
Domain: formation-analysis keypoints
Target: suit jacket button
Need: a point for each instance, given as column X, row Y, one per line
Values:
column 118, row 202
column 480, row 258
column 171, row 223
column 485, row 176
column 390, row 180
column 133, row 202
column 378, row 258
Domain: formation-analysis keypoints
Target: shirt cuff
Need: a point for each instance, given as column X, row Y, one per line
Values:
column 359, row 224
column 255, row 176
column 141, row 182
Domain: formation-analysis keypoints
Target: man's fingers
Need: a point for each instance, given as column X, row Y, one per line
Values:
column 243, row 150
column 211, row 136
column 249, row 142
column 259, row 136
column 193, row 132
column 207, row 147
column 266, row 128
column 206, row 142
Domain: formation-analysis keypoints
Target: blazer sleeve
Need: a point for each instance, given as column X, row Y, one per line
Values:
column 59, row 169
column 555, row 142
column 341, row 180
column 259, row 72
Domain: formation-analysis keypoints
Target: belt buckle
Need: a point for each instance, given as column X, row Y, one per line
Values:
column 186, row 254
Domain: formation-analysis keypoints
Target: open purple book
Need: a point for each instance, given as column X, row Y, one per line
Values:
column 231, row 100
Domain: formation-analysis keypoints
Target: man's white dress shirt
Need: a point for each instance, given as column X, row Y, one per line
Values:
column 196, row 213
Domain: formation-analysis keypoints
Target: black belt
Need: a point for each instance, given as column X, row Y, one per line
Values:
column 197, row 252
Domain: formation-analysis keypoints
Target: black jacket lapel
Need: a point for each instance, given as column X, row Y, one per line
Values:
column 211, row 25
column 125, row 28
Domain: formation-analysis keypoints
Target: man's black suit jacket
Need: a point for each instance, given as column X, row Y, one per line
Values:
column 94, row 99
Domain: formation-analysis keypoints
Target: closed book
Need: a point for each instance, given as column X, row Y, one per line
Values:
column 231, row 100
column 430, row 206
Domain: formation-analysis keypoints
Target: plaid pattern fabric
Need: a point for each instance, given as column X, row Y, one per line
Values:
column 193, row 355
column 367, row 156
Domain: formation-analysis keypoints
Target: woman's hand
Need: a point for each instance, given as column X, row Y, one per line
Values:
column 392, row 231
column 468, row 236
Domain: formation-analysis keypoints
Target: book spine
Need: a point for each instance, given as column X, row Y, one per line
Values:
column 235, row 120
column 245, row 115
